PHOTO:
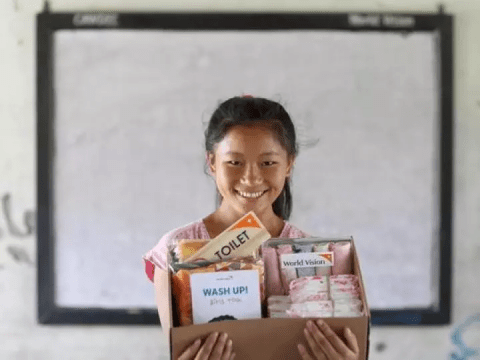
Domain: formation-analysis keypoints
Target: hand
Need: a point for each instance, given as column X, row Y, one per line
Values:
column 326, row 345
column 216, row 347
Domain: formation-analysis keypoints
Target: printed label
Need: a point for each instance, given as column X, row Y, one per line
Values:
column 240, row 239
column 95, row 20
column 375, row 20
column 302, row 260
column 225, row 295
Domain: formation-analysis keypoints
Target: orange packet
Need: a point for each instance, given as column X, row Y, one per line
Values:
column 188, row 247
column 182, row 293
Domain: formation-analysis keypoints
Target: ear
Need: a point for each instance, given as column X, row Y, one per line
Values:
column 291, row 162
column 210, row 157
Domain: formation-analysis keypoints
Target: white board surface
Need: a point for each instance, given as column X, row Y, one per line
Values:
column 130, row 111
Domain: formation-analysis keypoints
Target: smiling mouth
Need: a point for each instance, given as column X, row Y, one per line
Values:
column 249, row 195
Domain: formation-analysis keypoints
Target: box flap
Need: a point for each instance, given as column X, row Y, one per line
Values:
column 163, row 291
column 356, row 267
column 266, row 339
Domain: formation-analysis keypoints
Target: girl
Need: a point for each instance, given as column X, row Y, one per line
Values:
column 251, row 148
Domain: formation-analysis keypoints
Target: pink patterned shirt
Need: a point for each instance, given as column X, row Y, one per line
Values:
column 157, row 256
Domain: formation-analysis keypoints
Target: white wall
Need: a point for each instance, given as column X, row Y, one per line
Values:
column 20, row 335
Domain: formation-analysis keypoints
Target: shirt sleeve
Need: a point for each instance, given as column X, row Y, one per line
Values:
column 294, row 232
column 157, row 257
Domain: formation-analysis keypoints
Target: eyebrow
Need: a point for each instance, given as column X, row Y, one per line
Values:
column 262, row 154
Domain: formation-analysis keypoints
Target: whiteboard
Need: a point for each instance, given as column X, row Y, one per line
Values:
column 130, row 110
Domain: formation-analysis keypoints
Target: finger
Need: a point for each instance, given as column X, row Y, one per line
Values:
column 322, row 340
column 351, row 340
column 190, row 352
column 314, row 346
column 338, row 344
column 233, row 356
column 206, row 349
column 303, row 352
column 227, row 354
column 217, row 350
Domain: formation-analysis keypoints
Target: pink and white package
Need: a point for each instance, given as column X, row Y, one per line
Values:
column 345, row 293
column 344, row 278
column 278, row 315
column 311, row 288
column 326, row 305
column 279, row 299
column 347, row 305
column 278, row 306
column 343, row 257
column 344, row 287
column 343, row 282
column 342, row 291
column 311, row 309
column 305, row 296
column 278, row 310
column 309, row 282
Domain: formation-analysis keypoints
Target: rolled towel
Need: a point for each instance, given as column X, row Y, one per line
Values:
column 342, row 256
column 287, row 274
column 304, row 271
column 273, row 283
column 322, row 270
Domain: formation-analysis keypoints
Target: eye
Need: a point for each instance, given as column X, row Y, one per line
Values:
column 234, row 162
column 268, row 163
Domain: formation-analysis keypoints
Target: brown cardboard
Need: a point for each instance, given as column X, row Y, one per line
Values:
column 266, row 339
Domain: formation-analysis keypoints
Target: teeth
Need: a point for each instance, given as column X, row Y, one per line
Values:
column 251, row 195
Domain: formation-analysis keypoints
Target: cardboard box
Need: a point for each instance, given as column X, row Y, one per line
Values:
column 264, row 339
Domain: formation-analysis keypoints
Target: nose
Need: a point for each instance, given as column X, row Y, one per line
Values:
column 252, row 175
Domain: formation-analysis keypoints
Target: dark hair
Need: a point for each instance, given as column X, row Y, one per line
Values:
column 247, row 110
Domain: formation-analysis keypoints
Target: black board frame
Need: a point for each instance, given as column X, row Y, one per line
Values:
column 47, row 23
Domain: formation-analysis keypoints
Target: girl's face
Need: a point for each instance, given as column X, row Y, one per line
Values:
column 250, row 167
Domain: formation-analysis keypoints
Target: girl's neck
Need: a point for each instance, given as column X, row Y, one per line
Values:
column 222, row 218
